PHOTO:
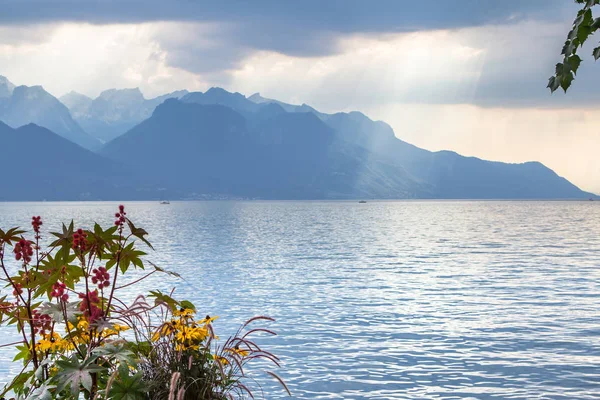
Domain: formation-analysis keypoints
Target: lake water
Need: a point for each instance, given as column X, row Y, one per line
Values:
column 387, row 300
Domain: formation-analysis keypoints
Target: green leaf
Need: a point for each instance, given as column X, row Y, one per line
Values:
column 141, row 348
column 574, row 63
column 23, row 353
column 584, row 28
column 164, row 271
column 596, row 53
column 54, row 265
column 103, row 239
column 565, row 81
column 130, row 256
column 160, row 298
column 590, row 3
column 128, row 387
column 187, row 305
column 64, row 239
column 115, row 352
column 55, row 311
column 553, row 83
column 139, row 233
column 39, row 372
column 18, row 383
column 43, row 392
column 11, row 235
column 75, row 375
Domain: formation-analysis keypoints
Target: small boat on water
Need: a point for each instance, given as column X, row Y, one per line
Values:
column 164, row 202
column 362, row 201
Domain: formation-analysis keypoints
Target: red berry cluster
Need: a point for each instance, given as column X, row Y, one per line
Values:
column 18, row 290
column 79, row 240
column 120, row 216
column 36, row 222
column 58, row 291
column 101, row 277
column 42, row 323
column 23, row 250
column 89, row 306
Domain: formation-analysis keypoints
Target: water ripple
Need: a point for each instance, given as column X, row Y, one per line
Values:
column 388, row 300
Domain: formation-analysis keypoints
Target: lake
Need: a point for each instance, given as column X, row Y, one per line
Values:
column 385, row 300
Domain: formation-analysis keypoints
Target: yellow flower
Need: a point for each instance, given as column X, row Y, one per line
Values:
column 165, row 329
column 184, row 312
column 44, row 345
column 82, row 324
column 192, row 334
column 221, row 360
column 208, row 320
column 116, row 329
column 238, row 351
column 120, row 328
column 54, row 343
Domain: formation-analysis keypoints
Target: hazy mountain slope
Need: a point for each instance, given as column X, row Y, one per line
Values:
column 52, row 168
column 219, row 96
column 114, row 111
column 258, row 99
column 77, row 103
column 6, row 87
column 450, row 174
column 212, row 149
column 35, row 105
column 224, row 144
column 453, row 175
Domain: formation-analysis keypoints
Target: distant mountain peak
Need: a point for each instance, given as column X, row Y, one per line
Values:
column 6, row 87
column 36, row 92
column 174, row 94
column 220, row 90
column 31, row 89
column 128, row 95
column 256, row 97
column 165, row 105
column 74, row 94
column 33, row 104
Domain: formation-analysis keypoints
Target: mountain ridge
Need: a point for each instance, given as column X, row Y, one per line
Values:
column 33, row 104
column 265, row 148
column 114, row 111
column 58, row 170
column 384, row 167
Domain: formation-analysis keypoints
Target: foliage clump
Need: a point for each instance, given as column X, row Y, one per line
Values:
column 78, row 337
column 584, row 26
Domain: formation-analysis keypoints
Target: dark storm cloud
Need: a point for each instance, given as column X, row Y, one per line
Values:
column 282, row 25
column 515, row 70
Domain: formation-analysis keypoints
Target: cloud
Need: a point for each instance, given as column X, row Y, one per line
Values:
column 304, row 28
column 493, row 65
column 91, row 58
column 516, row 44
column 565, row 140
column 341, row 15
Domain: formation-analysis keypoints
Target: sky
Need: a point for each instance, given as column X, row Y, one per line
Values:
column 462, row 75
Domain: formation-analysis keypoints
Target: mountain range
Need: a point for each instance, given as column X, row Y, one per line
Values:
column 23, row 105
column 41, row 165
column 219, row 144
column 114, row 112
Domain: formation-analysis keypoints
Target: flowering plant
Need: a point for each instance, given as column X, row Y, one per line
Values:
column 77, row 337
